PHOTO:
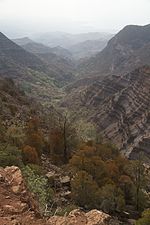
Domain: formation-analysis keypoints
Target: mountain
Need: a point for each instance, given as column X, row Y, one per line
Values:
column 38, row 48
column 118, row 105
column 62, row 52
column 127, row 50
column 66, row 40
column 14, row 57
column 88, row 48
column 28, row 70
column 22, row 41
column 58, row 60
column 37, row 77
column 75, row 50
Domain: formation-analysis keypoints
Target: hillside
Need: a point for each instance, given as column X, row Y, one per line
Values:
column 37, row 77
column 126, row 51
column 13, row 101
column 118, row 106
column 58, row 60
column 13, row 56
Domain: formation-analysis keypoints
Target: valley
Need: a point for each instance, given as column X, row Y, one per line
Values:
column 75, row 122
column 119, row 90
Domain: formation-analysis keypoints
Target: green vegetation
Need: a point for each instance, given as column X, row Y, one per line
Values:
column 10, row 155
column 39, row 187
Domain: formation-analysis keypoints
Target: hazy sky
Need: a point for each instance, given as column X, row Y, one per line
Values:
column 22, row 17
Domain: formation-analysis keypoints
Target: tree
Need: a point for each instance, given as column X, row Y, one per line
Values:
column 66, row 132
column 15, row 135
column 112, row 198
column 10, row 155
column 127, row 186
column 138, row 174
column 86, row 159
column 56, row 145
column 38, row 185
column 29, row 155
column 113, row 170
column 2, row 132
column 34, row 136
column 107, row 151
column 84, row 190
column 145, row 220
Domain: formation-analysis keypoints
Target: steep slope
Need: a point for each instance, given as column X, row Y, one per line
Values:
column 124, row 52
column 118, row 105
column 13, row 101
column 35, row 47
column 37, row 77
column 62, row 66
column 12, row 54
column 57, row 59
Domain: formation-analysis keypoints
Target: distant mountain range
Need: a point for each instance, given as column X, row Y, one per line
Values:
column 127, row 50
column 66, row 40
column 88, row 48
column 67, row 45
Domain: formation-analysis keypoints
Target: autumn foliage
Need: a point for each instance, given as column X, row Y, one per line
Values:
column 30, row 155
column 105, row 177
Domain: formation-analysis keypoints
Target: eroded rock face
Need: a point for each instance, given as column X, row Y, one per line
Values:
column 118, row 105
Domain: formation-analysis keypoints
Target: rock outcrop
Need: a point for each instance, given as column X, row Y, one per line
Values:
column 17, row 206
column 77, row 217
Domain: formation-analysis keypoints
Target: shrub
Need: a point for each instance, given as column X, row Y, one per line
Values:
column 30, row 155
column 84, row 190
column 145, row 220
column 10, row 156
column 38, row 185
column 112, row 198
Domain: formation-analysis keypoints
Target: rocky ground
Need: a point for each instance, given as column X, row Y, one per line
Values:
column 18, row 207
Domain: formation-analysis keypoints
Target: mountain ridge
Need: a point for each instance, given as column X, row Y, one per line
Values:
column 122, row 53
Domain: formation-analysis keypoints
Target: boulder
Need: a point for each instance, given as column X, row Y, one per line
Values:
column 14, row 178
column 95, row 217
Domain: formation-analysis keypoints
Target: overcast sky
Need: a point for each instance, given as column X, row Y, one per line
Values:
column 22, row 17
